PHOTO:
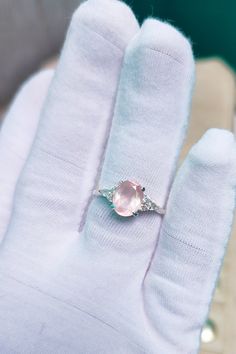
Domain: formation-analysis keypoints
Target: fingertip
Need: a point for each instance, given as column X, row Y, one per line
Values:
column 43, row 74
column 164, row 38
column 25, row 108
column 217, row 147
column 38, row 81
column 110, row 18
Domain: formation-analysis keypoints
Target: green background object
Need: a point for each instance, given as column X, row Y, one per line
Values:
column 32, row 31
column 211, row 24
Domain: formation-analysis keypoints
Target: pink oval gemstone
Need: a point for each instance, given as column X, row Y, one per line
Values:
column 127, row 198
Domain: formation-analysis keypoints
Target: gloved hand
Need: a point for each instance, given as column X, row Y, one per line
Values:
column 16, row 136
column 76, row 278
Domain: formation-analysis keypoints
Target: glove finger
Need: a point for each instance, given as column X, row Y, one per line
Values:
column 148, row 128
column 193, row 238
column 59, row 175
column 16, row 137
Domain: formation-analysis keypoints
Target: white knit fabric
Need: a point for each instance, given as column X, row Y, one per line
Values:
column 120, row 286
column 16, row 137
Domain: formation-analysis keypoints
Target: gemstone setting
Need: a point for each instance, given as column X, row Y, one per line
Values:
column 127, row 198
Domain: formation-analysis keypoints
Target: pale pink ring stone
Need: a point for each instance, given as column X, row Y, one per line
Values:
column 128, row 198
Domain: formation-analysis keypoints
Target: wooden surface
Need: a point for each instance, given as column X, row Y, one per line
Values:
column 213, row 100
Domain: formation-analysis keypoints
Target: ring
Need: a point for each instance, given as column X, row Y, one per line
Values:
column 127, row 198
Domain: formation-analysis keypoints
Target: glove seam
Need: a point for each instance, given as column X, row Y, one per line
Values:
column 49, row 153
column 166, row 54
column 199, row 249
column 82, row 24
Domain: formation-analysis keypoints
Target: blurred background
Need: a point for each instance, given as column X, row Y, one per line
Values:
column 33, row 30
column 32, row 33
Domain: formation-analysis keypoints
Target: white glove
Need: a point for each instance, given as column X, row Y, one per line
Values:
column 135, row 285
column 16, row 136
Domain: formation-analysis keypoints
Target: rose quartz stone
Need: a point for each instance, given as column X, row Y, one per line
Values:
column 127, row 198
